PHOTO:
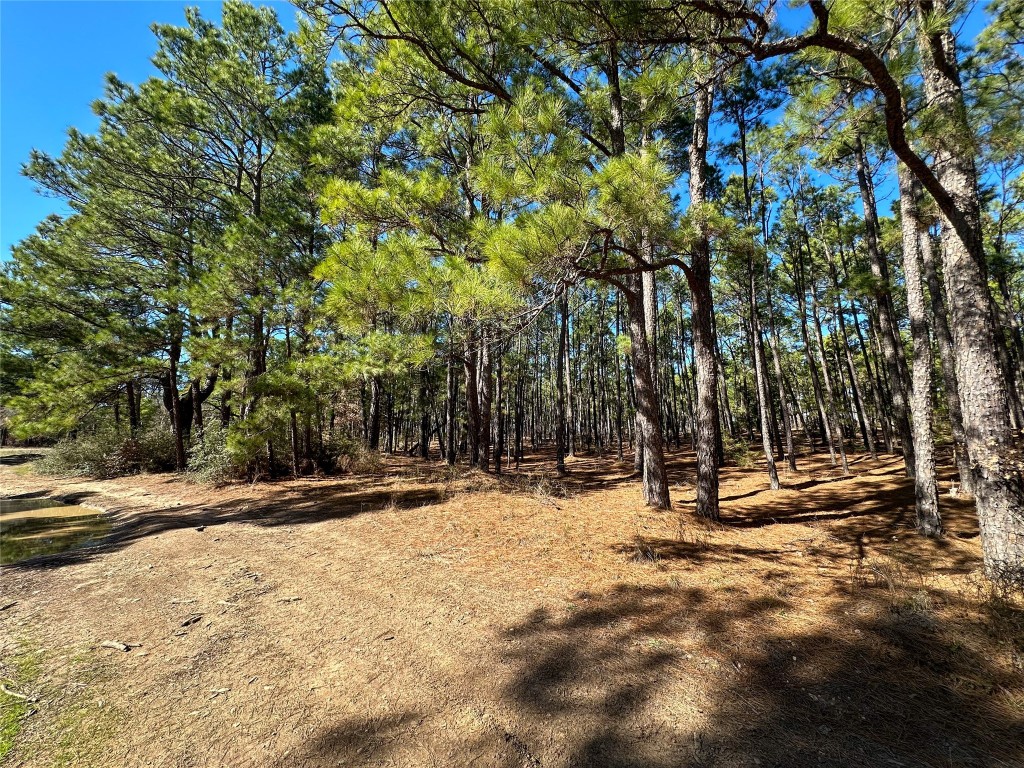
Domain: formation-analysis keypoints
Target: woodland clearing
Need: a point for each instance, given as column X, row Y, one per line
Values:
column 427, row 616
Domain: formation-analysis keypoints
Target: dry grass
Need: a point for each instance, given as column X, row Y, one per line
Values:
column 428, row 615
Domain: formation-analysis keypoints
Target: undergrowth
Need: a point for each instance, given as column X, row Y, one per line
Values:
column 107, row 453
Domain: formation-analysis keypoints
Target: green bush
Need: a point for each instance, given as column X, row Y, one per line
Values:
column 211, row 461
column 107, row 453
column 737, row 451
column 155, row 445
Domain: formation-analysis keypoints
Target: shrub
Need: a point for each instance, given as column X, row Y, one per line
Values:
column 156, row 448
column 80, row 455
column 107, row 453
column 737, row 451
column 210, row 460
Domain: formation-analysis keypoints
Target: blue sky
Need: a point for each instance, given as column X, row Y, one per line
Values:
column 53, row 58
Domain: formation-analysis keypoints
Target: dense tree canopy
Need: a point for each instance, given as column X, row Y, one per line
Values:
column 474, row 230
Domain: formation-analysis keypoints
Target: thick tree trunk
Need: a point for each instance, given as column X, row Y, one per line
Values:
column 704, row 347
column 926, row 496
column 655, row 477
column 994, row 450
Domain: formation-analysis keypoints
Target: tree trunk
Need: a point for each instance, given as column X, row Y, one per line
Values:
column 424, row 408
column 760, row 378
column 134, row 419
column 773, row 344
column 655, row 477
column 499, row 441
column 485, row 393
column 835, row 425
column 704, row 347
column 373, row 421
column 451, row 411
column 892, row 349
column 560, row 428
column 944, row 341
column 472, row 397
column 925, row 493
column 994, row 450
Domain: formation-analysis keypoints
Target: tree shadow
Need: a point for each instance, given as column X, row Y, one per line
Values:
column 288, row 506
column 356, row 741
column 686, row 677
column 17, row 459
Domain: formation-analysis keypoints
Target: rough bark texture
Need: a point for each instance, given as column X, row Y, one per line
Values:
column 560, row 427
column 994, row 450
column 944, row 341
column 926, row 496
column 704, row 352
column 655, row 477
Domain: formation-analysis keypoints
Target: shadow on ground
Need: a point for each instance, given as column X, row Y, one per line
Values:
column 885, row 684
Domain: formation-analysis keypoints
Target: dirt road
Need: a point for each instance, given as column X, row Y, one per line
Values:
column 421, row 618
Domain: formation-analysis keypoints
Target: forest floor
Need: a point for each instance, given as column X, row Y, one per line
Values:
column 425, row 617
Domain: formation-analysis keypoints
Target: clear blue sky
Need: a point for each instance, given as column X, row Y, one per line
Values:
column 53, row 58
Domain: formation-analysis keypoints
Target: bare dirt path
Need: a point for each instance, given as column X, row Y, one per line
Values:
column 422, row 618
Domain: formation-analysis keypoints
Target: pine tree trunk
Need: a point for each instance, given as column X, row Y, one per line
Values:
column 944, row 341
column 560, row 427
column 994, row 450
column 499, row 441
column 485, row 392
column 866, row 426
column 134, row 418
column 773, row 344
column 451, row 411
column 704, row 346
column 760, row 376
column 835, row 425
column 373, row 420
column 892, row 349
column 424, row 408
column 655, row 477
column 925, row 493
column 570, row 404
column 469, row 362
column 618, row 380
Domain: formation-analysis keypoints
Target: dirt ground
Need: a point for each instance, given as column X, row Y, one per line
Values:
column 423, row 617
